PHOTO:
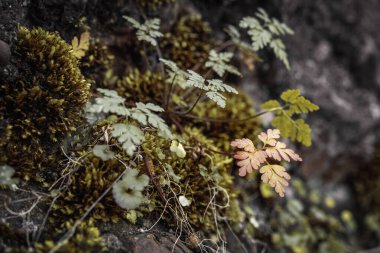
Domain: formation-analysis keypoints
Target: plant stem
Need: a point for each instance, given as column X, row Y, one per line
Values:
column 193, row 106
column 231, row 120
column 168, row 96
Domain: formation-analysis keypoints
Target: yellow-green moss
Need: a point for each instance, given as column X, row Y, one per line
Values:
column 142, row 86
column 196, row 184
column 189, row 42
column 43, row 104
column 87, row 239
column 89, row 182
column 154, row 4
column 97, row 61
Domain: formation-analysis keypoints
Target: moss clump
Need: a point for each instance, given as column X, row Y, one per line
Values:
column 189, row 42
column 142, row 86
column 87, row 239
column 239, row 106
column 97, row 61
column 202, row 176
column 43, row 104
column 154, row 4
column 89, row 181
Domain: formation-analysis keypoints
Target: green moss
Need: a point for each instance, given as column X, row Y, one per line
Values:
column 154, row 4
column 43, row 104
column 87, row 239
column 142, row 86
column 199, row 175
column 189, row 42
column 97, row 61
column 89, row 181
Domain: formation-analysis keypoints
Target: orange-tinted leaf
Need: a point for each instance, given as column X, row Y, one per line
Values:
column 279, row 152
column 249, row 161
column 245, row 143
column 275, row 176
column 270, row 137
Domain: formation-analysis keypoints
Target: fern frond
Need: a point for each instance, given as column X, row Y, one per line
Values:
column 219, row 63
column 218, row 98
column 176, row 75
column 6, row 176
column 102, row 152
column 298, row 104
column 276, row 176
column 149, row 31
column 218, row 85
column 81, row 46
column 195, row 80
column 266, row 32
column 145, row 114
column 252, row 158
column 130, row 136
column 110, row 102
column 295, row 129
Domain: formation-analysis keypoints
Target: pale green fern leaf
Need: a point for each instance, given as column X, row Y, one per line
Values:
column 267, row 32
column 195, row 80
column 130, row 136
column 6, row 176
column 278, row 48
column 145, row 114
column 103, row 152
column 218, row 85
column 176, row 75
column 218, row 98
column 149, row 31
column 219, row 63
column 110, row 102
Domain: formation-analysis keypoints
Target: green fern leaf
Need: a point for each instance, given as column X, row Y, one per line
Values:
column 218, row 98
column 219, row 63
column 218, row 85
column 111, row 102
column 266, row 32
column 295, row 129
column 303, row 132
column 270, row 104
column 149, row 31
column 130, row 136
column 297, row 103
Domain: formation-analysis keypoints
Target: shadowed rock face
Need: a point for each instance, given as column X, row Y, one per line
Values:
column 335, row 59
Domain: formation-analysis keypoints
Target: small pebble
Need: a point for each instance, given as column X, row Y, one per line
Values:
column 5, row 53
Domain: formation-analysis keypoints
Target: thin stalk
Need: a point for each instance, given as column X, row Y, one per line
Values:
column 231, row 120
column 193, row 106
column 168, row 97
